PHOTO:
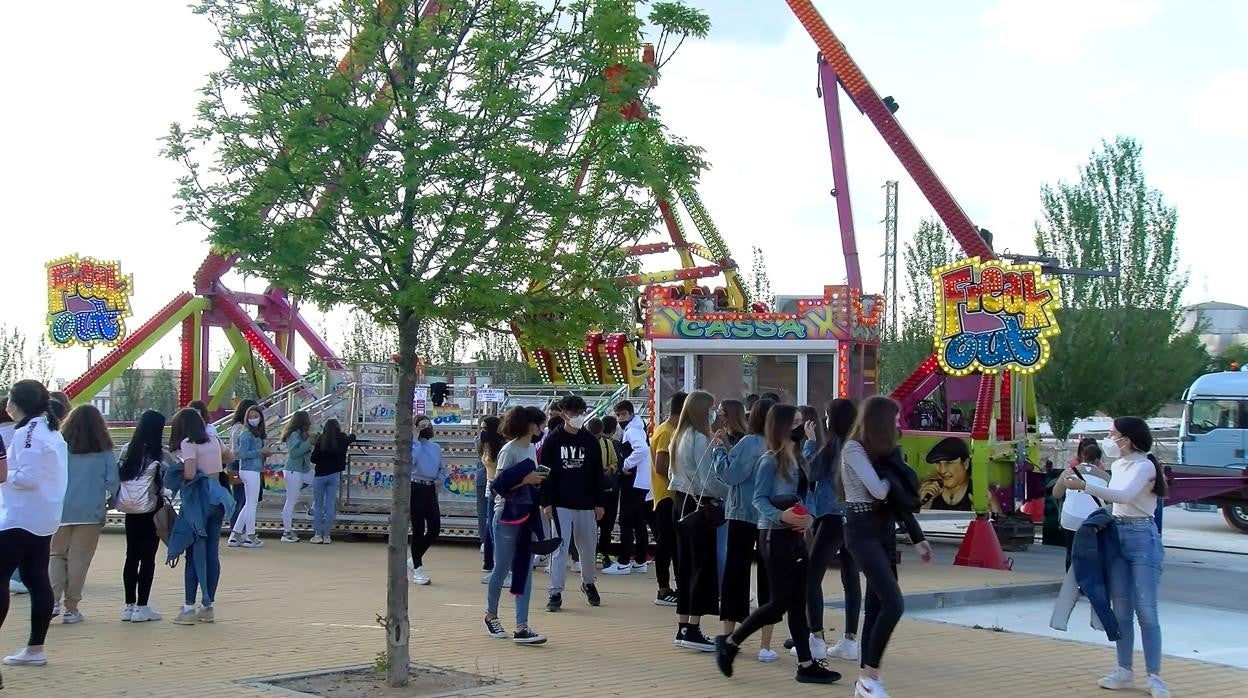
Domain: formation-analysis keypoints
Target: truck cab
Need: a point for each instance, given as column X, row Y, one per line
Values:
column 1213, row 439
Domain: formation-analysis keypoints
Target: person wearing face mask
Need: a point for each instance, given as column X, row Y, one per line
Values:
column 251, row 454
column 1137, row 481
column 427, row 471
column 573, row 498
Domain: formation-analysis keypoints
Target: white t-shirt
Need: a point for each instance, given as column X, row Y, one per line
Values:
column 1130, row 486
column 511, row 453
column 33, row 496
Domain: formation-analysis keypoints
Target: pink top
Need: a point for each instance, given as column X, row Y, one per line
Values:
column 207, row 456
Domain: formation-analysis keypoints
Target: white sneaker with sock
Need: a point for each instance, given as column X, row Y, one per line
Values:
column 1120, row 679
column 767, row 656
column 818, row 648
column 1157, row 688
column 869, row 688
column 25, row 657
column 846, row 649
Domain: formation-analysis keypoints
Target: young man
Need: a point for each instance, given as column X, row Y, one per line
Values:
column 573, row 497
column 664, row 502
column 635, row 484
column 605, row 430
column 426, row 516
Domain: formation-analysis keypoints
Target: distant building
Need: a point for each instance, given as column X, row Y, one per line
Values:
column 1221, row 325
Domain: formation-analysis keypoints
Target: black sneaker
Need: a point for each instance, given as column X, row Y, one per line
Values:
column 665, row 598
column 494, row 628
column 816, row 672
column 591, row 593
column 789, row 644
column 680, row 634
column 555, row 603
column 527, row 636
column 725, row 652
column 695, row 640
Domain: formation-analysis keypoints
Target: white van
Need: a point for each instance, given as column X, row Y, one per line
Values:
column 1213, row 440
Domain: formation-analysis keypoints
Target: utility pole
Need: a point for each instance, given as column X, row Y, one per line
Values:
column 891, row 309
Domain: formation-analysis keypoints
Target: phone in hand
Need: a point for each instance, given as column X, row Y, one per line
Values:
column 543, row 469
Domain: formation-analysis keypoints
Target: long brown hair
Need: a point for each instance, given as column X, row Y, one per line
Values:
column 734, row 417
column 300, row 422
column 694, row 416
column 779, row 435
column 85, row 431
column 876, row 426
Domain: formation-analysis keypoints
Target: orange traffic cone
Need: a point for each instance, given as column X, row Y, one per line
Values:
column 981, row 548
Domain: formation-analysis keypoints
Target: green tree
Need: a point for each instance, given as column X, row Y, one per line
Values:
column 431, row 180
column 161, row 391
column 759, row 283
column 12, row 357
column 1234, row 355
column 1071, row 386
column 1111, row 219
column 932, row 246
column 125, row 396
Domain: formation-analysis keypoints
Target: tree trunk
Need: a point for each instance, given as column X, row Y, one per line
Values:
column 398, row 628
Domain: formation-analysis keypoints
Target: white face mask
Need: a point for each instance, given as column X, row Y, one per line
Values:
column 577, row 422
column 254, row 421
column 1109, row 447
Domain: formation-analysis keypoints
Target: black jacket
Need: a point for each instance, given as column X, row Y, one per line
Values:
column 576, row 475
column 903, row 493
column 331, row 461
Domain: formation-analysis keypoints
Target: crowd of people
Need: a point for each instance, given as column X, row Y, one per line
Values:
column 722, row 487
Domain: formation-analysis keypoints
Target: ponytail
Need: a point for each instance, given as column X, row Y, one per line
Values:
column 1160, row 487
column 33, row 399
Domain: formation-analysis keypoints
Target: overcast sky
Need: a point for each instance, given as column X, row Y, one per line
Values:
column 1000, row 95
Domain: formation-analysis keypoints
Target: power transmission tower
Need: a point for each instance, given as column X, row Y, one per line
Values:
column 891, row 309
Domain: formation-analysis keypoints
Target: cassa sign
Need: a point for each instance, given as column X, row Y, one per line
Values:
column 993, row 316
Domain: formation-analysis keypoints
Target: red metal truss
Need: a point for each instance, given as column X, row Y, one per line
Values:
column 128, row 345
column 1005, row 422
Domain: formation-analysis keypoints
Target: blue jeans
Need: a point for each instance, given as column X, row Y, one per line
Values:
column 505, row 538
column 324, row 504
column 1134, row 581
column 212, row 548
column 485, row 513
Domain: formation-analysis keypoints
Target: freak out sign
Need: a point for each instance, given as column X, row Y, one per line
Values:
column 993, row 316
column 88, row 301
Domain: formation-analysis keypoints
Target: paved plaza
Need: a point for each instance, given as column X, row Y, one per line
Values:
column 298, row 607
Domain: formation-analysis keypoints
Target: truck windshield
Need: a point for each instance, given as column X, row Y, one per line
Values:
column 1203, row 416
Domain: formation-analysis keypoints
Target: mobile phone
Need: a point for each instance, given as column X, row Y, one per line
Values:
column 543, row 469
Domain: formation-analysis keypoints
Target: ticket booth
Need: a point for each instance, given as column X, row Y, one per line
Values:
column 804, row 356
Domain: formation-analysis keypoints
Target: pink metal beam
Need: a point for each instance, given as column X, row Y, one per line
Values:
column 840, row 172
column 318, row 346
column 282, row 368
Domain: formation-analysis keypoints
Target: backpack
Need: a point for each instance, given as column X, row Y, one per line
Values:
column 610, row 462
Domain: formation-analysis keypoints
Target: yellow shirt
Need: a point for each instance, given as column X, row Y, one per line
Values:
column 660, row 442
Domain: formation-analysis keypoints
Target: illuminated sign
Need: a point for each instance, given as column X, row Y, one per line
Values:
column 831, row 317
column 88, row 301
column 993, row 316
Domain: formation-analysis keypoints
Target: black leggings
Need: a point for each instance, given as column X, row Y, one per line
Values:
column 872, row 540
column 634, row 534
column 426, row 520
column 784, row 552
column 697, row 566
column 27, row 553
column 606, row 525
column 830, row 542
column 142, row 543
column 664, row 526
column 743, row 549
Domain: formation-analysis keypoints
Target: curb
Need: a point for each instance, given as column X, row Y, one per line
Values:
column 969, row 596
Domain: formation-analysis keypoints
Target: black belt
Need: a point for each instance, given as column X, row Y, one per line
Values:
column 422, row 482
column 862, row 507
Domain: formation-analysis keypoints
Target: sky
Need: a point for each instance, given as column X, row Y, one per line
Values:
column 1001, row 96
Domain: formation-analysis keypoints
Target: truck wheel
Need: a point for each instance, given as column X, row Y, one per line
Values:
column 1236, row 516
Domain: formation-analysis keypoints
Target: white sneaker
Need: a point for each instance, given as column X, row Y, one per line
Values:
column 234, row 542
column 56, row 610
column 642, row 568
column 576, row 567
column 846, row 649
column 315, row 540
column 255, row 542
column 289, row 537
column 1119, row 679
column 485, row 577
column 72, row 617
column 327, row 540
column 420, row 576
column 1157, row 688
column 25, row 657
column 767, row 656
column 144, row 613
column 818, row 649
column 869, row 688
column 127, row 613
column 16, row 587
column 618, row 569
